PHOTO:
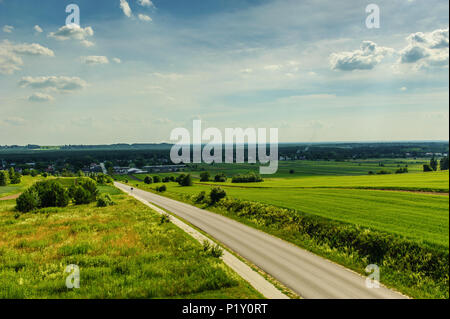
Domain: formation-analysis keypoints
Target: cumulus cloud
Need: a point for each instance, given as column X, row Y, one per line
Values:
column 94, row 59
column 59, row 83
column 125, row 8
column 146, row 3
column 144, row 17
column 366, row 58
column 73, row 32
column 117, row 60
column 8, row 28
column 38, row 29
column 11, row 55
column 40, row 97
column 429, row 49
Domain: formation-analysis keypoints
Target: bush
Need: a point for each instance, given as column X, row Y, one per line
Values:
column 105, row 200
column 444, row 163
column 371, row 173
column 204, row 176
column 383, row 172
column 81, row 196
column 427, row 168
column 291, row 171
column 90, row 186
column 156, row 179
column 102, row 179
column 185, row 180
column 43, row 194
column 215, row 251
column 200, row 198
column 166, row 179
column 33, row 173
column 172, row 178
column 28, row 201
column 161, row 188
column 401, row 170
column 165, row 218
column 148, row 180
column 251, row 177
column 217, row 194
column 220, row 178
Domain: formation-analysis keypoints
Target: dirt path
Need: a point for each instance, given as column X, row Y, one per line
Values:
column 10, row 197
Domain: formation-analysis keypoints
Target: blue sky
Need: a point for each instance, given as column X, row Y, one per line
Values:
column 310, row 68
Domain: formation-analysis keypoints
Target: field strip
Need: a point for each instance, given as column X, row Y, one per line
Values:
column 444, row 192
column 252, row 277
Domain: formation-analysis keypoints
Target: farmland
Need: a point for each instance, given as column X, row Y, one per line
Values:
column 123, row 251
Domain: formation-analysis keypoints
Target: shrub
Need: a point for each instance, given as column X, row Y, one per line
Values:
column 383, row 172
column 26, row 172
column 165, row 218
column 105, row 200
column 44, row 174
column 43, row 194
column 291, row 171
column 33, row 173
column 204, row 176
column 215, row 251
column 148, row 180
column 81, row 196
column 427, row 168
column 217, row 194
column 185, row 180
column 166, row 179
column 371, row 173
column 28, row 201
column 220, row 178
column 102, row 179
column 156, row 179
column 172, row 178
column 90, row 186
column 200, row 198
column 251, row 177
column 401, row 170
column 16, row 178
column 161, row 188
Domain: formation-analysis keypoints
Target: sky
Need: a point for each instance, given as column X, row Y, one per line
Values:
column 136, row 69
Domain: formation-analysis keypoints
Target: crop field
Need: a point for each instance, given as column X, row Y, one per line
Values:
column 123, row 251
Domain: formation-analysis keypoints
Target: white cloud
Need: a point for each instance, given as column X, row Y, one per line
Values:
column 11, row 55
column 144, row 17
column 125, row 8
column 146, row 3
column 425, row 50
column 60, row 83
column 94, row 59
column 38, row 29
column 366, row 58
column 40, row 97
column 117, row 60
column 403, row 88
column 73, row 32
column 8, row 28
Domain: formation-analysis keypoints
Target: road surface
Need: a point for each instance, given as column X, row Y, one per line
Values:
column 307, row 274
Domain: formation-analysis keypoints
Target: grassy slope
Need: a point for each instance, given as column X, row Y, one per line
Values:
column 123, row 252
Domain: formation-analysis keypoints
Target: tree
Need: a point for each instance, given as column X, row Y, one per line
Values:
column 444, row 163
column 26, row 172
column 16, row 178
column 185, row 180
column 81, row 196
column 433, row 164
column 28, row 201
column 220, row 178
column 33, row 173
column 427, row 168
column 156, row 179
column 148, row 180
column 204, row 176
column 217, row 194
column 4, row 178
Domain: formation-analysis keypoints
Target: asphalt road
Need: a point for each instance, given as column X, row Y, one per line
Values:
column 307, row 274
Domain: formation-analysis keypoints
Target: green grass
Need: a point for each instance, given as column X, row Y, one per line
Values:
column 123, row 251
column 26, row 181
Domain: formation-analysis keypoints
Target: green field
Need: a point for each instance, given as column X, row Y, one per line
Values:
column 10, row 189
column 123, row 251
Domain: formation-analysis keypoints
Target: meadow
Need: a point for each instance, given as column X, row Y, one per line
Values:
column 123, row 251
